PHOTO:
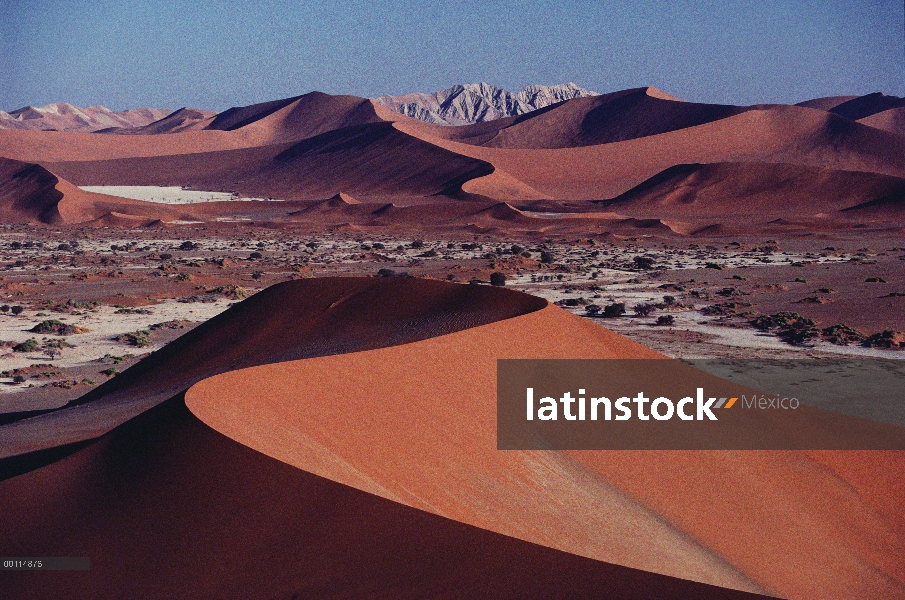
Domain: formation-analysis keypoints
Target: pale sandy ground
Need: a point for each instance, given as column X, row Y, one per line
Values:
column 103, row 323
column 165, row 194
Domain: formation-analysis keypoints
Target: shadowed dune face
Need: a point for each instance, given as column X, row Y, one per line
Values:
column 29, row 193
column 288, row 321
column 366, row 160
column 166, row 507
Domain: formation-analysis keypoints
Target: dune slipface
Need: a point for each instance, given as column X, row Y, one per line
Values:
column 167, row 507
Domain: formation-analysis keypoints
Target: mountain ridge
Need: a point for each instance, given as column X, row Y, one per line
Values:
column 464, row 104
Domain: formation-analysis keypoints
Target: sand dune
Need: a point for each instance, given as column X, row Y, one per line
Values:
column 776, row 134
column 374, row 466
column 865, row 106
column 232, row 520
column 297, row 118
column 30, row 193
column 828, row 103
column 615, row 117
column 364, row 160
column 838, row 537
column 315, row 146
column 891, row 120
column 753, row 192
column 168, row 508
column 293, row 320
column 184, row 119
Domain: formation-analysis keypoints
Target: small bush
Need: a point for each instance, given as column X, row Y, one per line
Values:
column 666, row 320
column 644, row 309
column 29, row 345
column 498, row 279
column 614, row 310
column 643, row 262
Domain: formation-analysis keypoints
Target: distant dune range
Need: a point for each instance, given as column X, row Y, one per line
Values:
column 367, row 466
column 575, row 155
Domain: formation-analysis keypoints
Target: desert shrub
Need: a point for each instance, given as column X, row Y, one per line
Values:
column 111, row 372
column 791, row 327
column 29, row 345
column 516, row 249
column 48, row 326
column 140, row 338
column 255, row 255
column 669, row 300
column 644, row 309
column 386, row 273
column 498, row 279
column 842, row 335
column 617, row 309
column 417, row 244
column 592, row 310
column 546, row 257
column 886, row 339
column 666, row 320
column 187, row 245
column 4, row 308
column 712, row 265
column 643, row 262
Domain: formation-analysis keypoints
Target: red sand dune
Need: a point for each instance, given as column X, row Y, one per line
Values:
column 365, row 160
column 184, row 119
column 828, row 103
column 776, row 134
column 298, row 118
column 790, row 523
column 167, row 507
column 30, row 193
column 608, row 118
column 891, row 120
column 314, row 146
column 865, row 106
column 754, row 192
column 292, row 320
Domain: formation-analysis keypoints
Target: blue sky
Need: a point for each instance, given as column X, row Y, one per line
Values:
column 216, row 54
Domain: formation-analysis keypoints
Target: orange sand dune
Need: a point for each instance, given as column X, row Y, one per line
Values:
column 754, row 192
column 185, row 132
column 298, row 118
column 828, row 103
column 288, row 321
column 30, row 193
column 588, row 121
column 775, row 134
column 891, row 120
column 416, row 424
column 365, row 160
column 865, row 106
column 167, row 508
column 184, row 119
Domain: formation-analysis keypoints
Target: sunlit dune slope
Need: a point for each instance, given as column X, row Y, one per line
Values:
column 416, row 423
